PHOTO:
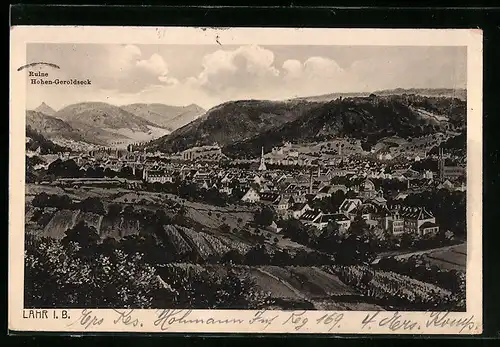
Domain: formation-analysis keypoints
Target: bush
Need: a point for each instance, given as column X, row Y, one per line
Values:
column 52, row 200
column 264, row 217
column 233, row 257
column 225, row 228
column 93, row 205
column 57, row 277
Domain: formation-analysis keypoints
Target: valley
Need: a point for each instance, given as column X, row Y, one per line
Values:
column 339, row 204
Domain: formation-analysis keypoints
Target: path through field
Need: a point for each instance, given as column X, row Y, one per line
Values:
column 323, row 290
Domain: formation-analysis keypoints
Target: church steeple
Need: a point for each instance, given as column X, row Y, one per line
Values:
column 262, row 166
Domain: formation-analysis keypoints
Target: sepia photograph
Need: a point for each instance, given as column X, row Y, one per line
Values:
column 227, row 176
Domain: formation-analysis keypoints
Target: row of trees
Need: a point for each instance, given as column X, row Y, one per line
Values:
column 421, row 268
column 64, row 202
column 70, row 169
column 449, row 208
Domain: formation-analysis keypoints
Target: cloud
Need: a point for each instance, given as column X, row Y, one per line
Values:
column 121, row 58
column 316, row 75
column 240, row 69
column 123, row 74
column 154, row 65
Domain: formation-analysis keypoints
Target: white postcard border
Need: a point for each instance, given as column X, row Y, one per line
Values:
column 469, row 322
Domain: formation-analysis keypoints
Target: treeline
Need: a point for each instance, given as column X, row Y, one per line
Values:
column 449, row 208
column 39, row 141
column 64, row 202
column 454, row 145
column 421, row 269
column 192, row 192
column 70, row 169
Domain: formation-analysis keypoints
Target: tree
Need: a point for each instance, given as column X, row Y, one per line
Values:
column 114, row 210
column 225, row 228
column 67, row 168
column 264, row 216
column 329, row 240
column 232, row 257
column 257, row 255
column 57, row 277
column 93, row 205
column 281, row 258
column 358, row 226
column 85, row 237
column 296, row 231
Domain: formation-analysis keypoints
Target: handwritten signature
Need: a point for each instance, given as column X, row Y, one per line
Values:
column 87, row 319
column 396, row 321
column 125, row 317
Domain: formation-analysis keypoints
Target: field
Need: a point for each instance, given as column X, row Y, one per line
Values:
column 305, row 285
column 200, row 237
column 453, row 258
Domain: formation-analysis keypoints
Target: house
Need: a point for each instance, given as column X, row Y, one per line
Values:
column 349, row 205
column 251, row 196
column 322, row 220
column 446, row 185
column 367, row 190
column 226, row 189
column 284, row 204
column 379, row 201
column 298, row 209
column 414, row 218
column 323, row 193
column 299, row 198
column 158, row 176
column 428, row 228
column 269, row 197
column 309, row 216
column 391, row 221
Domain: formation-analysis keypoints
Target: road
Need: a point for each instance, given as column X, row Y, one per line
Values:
column 407, row 254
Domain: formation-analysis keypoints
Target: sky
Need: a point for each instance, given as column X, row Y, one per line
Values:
column 208, row 75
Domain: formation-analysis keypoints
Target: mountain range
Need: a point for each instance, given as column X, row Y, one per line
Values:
column 45, row 109
column 243, row 127
column 431, row 92
column 166, row 116
column 83, row 125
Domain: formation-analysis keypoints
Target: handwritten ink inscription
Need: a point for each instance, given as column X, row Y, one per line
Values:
column 395, row 322
column 87, row 320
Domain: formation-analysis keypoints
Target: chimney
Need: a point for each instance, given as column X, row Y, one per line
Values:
column 310, row 182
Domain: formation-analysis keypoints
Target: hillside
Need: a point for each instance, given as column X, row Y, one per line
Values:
column 104, row 124
column 35, row 140
column 231, row 122
column 268, row 124
column 367, row 119
column 46, row 124
column 168, row 117
column 45, row 109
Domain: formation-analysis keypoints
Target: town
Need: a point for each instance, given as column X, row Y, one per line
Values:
column 289, row 182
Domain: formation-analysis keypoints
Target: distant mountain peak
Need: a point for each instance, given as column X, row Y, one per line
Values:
column 45, row 109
